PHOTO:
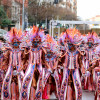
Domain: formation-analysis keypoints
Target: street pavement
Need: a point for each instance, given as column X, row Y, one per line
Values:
column 88, row 95
column 85, row 96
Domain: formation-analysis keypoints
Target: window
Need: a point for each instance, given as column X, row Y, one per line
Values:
column 55, row 1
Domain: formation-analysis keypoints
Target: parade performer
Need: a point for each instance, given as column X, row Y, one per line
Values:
column 92, row 42
column 63, row 51
column 95, row 65
column 4, row 62
column 71, row 78
column 12, row 81
column 82, row 49
column 51, row 63
column 25, row 49
column 1, row 61
column 32, row 81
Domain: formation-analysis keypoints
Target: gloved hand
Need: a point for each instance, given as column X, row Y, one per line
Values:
column 15, row 72
column 50, row 70
column 61, row 67
column 98, row 73
column 87, row 73
column 18, row 72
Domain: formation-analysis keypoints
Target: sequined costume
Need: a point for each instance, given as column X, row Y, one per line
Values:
column 95, row 65
column 51, row 63
column 32, row 82
column 71, row 83
column 92, row 42
column 11, row 84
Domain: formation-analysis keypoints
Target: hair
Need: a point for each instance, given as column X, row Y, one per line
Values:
column 2, row 39
column 25, row 57
column 7, row 57
column 1, row 51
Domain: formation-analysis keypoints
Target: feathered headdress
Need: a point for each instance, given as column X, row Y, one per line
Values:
column 37, row 34
column 92, row 37
column 14, row 34
column 51, row 44
column 98, row 49
column 62, row 38
column 71, row 36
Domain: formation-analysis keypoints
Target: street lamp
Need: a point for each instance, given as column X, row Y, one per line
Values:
column 23, row 17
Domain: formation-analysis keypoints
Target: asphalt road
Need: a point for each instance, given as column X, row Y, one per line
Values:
column 85, row 96
column 88, row 95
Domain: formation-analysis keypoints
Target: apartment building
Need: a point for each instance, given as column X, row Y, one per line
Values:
column 47, row 1
column 70, row 4
column 94, row 26
column 13, row 9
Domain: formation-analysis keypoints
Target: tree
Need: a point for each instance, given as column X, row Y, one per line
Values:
column 0, row 2
column 4, row 21
column 39, row 12
column 36, row 12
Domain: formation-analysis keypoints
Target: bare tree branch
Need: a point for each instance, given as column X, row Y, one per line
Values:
column 39, row 12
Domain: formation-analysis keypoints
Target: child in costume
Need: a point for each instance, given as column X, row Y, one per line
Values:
column 51, row 77
column 63, row 51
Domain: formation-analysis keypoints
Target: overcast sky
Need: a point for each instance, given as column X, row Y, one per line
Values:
column 88, row 8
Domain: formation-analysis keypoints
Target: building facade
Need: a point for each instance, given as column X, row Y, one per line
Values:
column 70, row 4
column 13, row 9
column 94, row 26
column 47, row 1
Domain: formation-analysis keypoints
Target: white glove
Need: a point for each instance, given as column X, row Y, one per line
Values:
column 87, row 73
column 14, row 72
column 98, row 73
column 61, row 67
column 50, row 70
column 18, row 73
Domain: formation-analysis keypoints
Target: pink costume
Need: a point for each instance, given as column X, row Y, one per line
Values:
column 96, row 64
column 36, row 38
column 1, row 71
column 11, row 85
column 97, row 82
column 82, row 49
column 92, row 41
column 51, row 63
column 72, row 38
column 62, row 50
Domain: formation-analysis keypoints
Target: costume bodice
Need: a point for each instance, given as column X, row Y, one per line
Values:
column 36, row 49
column 71, row 60
column 37, row 53
column 50, row 59
column 15, row 60
column 90, row 54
